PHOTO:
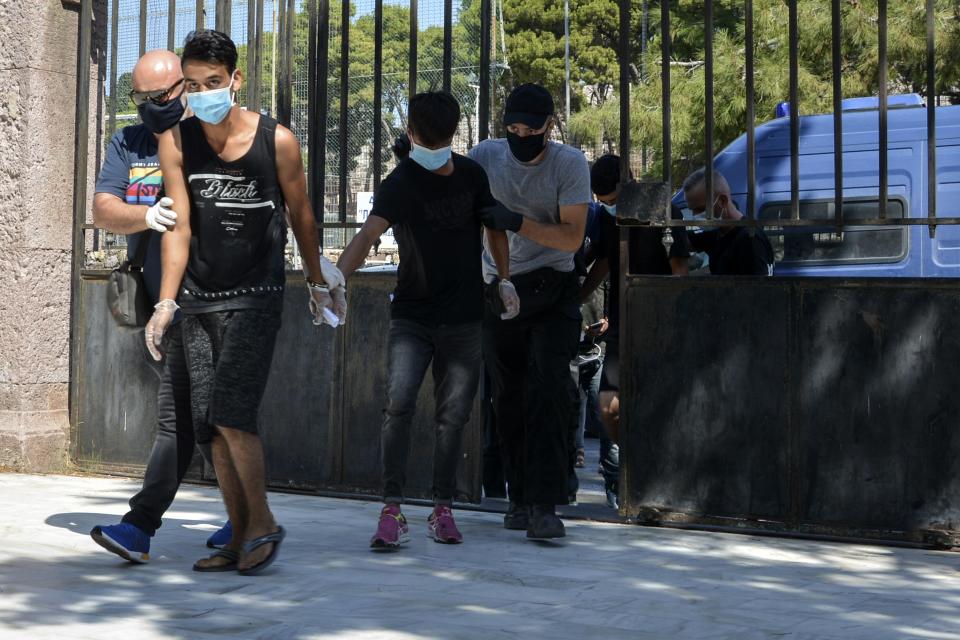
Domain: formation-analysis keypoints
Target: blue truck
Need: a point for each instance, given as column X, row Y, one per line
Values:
column 864, row 251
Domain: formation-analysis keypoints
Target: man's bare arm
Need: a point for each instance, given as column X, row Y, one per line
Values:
column 356, row 252
column 500, row 250
column 679, row 266
column 113, row 214
column 599, row 271
column 175, row 246
column 293, row 183
column 566, row 236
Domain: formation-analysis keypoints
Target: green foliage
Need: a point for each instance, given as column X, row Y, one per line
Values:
column 599, row 126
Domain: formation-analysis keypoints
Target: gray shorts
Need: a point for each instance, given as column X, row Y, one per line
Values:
column 228, row 357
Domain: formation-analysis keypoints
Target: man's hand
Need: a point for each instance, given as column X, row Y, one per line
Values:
column 157, row 326
column 161, row 216
column 321, row 305
column 596, row 331
column 510, row 299
column 500, row 218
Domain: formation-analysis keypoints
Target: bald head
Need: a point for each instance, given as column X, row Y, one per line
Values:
column 157, row 69
column 695, row 193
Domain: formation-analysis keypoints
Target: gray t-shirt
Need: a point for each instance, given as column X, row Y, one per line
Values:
column 537, row 192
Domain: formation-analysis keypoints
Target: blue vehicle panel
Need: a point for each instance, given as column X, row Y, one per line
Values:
column 888, row 251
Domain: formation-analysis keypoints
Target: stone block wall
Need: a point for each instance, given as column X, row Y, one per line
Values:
column 38, row 74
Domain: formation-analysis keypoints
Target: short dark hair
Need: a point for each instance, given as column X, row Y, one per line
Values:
column 434, row 116
column 210, row 46
column 605, row 175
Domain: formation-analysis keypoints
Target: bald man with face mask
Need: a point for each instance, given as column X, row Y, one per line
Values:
column 129, row 200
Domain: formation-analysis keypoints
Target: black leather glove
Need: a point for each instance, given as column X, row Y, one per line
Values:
column 401, row 146
column 500, row 218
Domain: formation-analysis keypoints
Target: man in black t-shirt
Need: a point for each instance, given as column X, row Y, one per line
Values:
column 433, row 201
column 647, row 256
column 733, row 251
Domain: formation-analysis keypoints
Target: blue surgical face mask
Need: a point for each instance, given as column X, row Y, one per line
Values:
column 212, row 106
column 429, row 159
column 609, row 208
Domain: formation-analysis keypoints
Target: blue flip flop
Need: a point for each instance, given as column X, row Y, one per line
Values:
column 276, row 538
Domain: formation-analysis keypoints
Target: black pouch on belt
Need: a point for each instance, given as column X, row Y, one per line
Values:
column 126, row 292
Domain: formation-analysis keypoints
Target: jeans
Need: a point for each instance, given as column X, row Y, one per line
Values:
column 174, row 445
column 455, row 353
column 589, row 383
column 534, row 396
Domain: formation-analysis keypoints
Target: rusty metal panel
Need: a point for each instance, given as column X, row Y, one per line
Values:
column 876, row 378
column 704, row 421
column 359, row 396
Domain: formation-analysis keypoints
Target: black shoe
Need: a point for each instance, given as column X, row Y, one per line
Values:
column 545, row 525
column 572, row 500
column 517, row 517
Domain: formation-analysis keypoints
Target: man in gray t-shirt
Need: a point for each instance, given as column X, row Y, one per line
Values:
column 543, row 189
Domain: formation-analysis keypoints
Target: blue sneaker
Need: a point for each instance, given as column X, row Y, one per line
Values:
column 125, row 540
column 222, row 537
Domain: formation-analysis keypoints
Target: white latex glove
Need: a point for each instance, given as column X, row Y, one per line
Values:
column 331, row 274
column 511, row 301
column 339, row 295
column 321, row 305
column 163, row 313
column 160, row 216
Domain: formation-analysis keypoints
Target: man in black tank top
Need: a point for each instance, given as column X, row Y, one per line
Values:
column 223, row 263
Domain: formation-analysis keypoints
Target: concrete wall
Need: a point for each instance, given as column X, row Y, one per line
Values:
column 38, row 49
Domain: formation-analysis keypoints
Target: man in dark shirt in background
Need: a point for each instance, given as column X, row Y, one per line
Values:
column 128, row 200
column 647, row 256
column 433, row 201
column 733, row 251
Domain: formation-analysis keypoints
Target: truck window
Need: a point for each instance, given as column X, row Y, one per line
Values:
column 825, row 245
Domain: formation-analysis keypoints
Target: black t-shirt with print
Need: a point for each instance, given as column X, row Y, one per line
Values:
column 735, row 252
column 436, row 222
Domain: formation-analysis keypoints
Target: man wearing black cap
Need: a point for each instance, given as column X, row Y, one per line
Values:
column 544, row 190
column 647, row 256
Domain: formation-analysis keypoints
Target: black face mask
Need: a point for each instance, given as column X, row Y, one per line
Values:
column 526, row 148
column 160, row 117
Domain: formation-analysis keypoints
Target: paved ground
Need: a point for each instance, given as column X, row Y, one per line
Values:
column 604, row 581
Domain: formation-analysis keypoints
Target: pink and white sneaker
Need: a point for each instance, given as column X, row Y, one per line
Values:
column 392, row 530
column 441, row 527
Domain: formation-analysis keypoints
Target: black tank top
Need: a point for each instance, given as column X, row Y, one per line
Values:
column 238, row 229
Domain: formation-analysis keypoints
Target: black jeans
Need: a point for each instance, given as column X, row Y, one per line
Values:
column 455, row 353
column 534, row 396
column 174, row 445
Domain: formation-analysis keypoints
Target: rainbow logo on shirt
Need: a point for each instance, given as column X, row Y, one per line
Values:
column 144, row 185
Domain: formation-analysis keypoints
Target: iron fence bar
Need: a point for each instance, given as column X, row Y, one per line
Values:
column 837, row 53
column 251, row 51
column 665, row 90
column 171, row 25
column 284, row 81
column 80, row 149
column 377, row 93
column 483, row 111
column 314, row 185
column 447, row 44
column 624, row 232
column 199, row 15
column 931, row 119
column 708, row 99
column 344, row 104
column 257, row 76
column 794, row 112
column 751, row 111
column 882, row 81
column 223, row 18
column 320, row 110
column 114, row 45
column 288, row 55
column 142, row 47
column 414, row 32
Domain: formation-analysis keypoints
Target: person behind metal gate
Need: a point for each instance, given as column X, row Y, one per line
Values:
column 433, row 200
column 128, row 199
column 733, row 251
column 648, row 255
column 543, row 189
column 230, row 173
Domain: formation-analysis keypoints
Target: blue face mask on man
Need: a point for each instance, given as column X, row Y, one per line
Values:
column 212, row 106
column 609, row 208
column 429, row 159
